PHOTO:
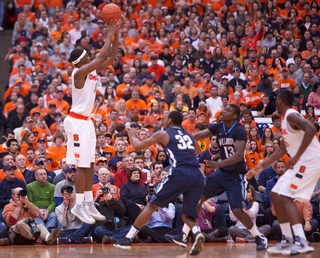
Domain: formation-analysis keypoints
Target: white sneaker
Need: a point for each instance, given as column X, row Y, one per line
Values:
column 92, row 210
column 300, row 246
column 81, row 212
column 278, row 248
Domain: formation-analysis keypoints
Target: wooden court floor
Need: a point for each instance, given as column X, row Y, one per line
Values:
column 219, row 250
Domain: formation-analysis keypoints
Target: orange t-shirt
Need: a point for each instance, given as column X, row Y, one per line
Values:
column 189, row 126
column 18, row 175
column 59, row 153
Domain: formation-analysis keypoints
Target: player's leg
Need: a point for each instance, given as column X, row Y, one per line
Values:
column 88, row 196
column 236, row 191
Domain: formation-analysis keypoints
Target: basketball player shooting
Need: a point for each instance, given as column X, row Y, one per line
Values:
column 79, row 126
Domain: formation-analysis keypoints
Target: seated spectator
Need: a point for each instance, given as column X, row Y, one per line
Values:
column 104, row 176
column 73, row 230
column 69, row 181
column 18, row 213
column 9, row 182
column 239, row 232
column 265, row 109
column 133, row 194
column 113, row 228
column 41, row 194
column 276, row 126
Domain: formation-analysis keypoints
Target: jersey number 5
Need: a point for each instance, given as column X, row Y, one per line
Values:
column 185, row 142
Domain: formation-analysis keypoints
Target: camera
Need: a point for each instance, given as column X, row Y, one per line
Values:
column 33, row 227
column 22, row 193
column 105, row 190
column 109, row 224
column 151, row 189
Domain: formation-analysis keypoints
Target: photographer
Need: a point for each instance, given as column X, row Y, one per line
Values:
column 73, row 230
column 19, row 215
column 113, row 229
column 104, row 181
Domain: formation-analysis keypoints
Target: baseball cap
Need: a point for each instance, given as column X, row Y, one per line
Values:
column 144, row 66
column 154, row 57
column 100, row 21
column 23, row 33
column 253, row 84
column 269, row 31
column 223, row 64
column 186, row 40
column 36, row 113
column 134, row 125
column 264, row 76
column 39, row 44
column 133, row 83
column 38, row 161
column 234, row 70
column 41, row 140
column 284, row 69
column 208, row 51
column 52, row 105
column 262, row 63
column 9, row 166
column 149, row 77
column 59, row 90
column 224, row 77
column 22, row 38
column 103, row 159
column 278, row 39
column 171, row 73
column 29, row 119
column 18, row 80
column 70, row 168
column 252, row 49
column 201, row 113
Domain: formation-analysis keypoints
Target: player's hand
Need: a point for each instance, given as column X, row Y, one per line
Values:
column 213, row 164
column 290, row 164
column 307, row 226
column 112, row 27
column 131, row 132
column 254, row 171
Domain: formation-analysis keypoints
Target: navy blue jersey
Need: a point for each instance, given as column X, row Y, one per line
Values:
column 180, row 148
column 226, row 138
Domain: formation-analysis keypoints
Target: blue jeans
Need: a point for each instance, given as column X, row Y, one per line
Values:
column 117, row 235
column 3, row 230
column 77, row 234
column 50, row 222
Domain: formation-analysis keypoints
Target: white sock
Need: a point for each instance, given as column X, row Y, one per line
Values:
column 79, row 198
column 298, row 231
column 254, row 231
column 196, row 229
column 286, row 229
column 132, row 232
column 186, row 231
column 88, row 196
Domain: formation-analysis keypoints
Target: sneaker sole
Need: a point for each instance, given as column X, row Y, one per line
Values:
column 259, row 248
column 83, row 219
column 171, row 240
column 122, row 247
column 197, row 245
column 295, row 252
column 96, row 216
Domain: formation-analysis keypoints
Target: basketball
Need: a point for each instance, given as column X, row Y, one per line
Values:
column 110, row 13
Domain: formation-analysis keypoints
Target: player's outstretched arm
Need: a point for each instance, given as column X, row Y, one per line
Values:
column 96, row 63
column 113, row 52
column 158, row 137
column 202, row 134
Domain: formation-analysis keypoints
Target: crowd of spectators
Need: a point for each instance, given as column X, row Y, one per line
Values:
column 193, row 56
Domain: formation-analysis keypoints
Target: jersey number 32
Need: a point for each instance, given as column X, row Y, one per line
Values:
column 185, row 142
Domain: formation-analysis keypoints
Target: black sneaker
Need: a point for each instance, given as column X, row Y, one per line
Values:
column 198, row 244
column 177, row 239
column 125, row 244
column 262, row 242
column 87, row 240
column 107, row 240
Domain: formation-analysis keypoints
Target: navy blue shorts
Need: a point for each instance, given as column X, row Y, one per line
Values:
column 233, row 184
column 186, row 180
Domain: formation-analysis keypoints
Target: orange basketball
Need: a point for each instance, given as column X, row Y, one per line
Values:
column 110, row 13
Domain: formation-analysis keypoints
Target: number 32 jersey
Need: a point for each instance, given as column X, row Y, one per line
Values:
column 226, row 138
column 180, row 148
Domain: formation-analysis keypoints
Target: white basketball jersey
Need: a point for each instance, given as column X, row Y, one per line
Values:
column 293, row 139
column 83, row 99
